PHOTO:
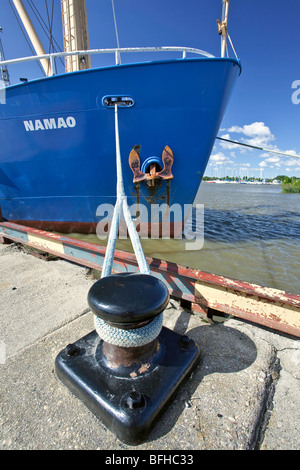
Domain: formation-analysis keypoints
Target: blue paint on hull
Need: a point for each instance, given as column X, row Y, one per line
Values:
column 64, row 174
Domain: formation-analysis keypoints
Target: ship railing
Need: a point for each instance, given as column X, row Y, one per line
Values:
column 117, row 51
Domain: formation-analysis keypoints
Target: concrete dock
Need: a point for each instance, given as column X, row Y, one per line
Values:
column 243, row 395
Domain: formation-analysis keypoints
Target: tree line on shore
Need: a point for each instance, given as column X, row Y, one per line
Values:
column 288, row 184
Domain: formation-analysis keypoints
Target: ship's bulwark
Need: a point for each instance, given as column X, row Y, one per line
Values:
column 57, row 139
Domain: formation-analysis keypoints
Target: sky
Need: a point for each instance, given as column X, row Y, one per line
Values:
column 264, row 109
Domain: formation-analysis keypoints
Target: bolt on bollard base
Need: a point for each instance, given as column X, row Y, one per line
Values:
column 127, row 388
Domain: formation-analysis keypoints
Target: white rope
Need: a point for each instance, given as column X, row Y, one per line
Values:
column 121, row 203
column 129, row 338
column 118, row 336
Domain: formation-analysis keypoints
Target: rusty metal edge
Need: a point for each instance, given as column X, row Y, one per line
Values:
column 181, row 280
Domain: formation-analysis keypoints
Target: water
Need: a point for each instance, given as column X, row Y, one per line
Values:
column 251, row 233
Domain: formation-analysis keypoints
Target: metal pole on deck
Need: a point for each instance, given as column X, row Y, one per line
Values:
column 223, row 26
column 33, row 35
column 75, row 34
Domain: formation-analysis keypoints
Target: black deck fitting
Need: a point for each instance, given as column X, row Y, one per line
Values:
column 128, row 298
column 128, row 388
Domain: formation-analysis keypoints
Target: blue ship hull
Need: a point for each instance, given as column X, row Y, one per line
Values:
column 57, row 138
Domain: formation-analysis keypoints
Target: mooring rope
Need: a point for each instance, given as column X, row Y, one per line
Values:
column 129, row 338
column 121, row 203
column 118, row 336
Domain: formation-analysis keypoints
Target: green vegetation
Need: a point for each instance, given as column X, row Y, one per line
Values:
column 290, row 185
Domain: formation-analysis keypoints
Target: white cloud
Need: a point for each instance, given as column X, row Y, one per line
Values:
column 273, row 159
column 219, row 159
column 293, row 170
column 293, row 162
column 271, row 162
column 254, row 129
column 235, row 129
column 265, row 155
column 258, row 133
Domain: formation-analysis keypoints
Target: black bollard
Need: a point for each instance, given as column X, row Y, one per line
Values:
column 129, row 368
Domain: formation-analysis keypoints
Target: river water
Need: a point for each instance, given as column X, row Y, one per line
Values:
column 251, row 233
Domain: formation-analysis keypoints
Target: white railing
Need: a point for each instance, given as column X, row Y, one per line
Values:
column 117, row 51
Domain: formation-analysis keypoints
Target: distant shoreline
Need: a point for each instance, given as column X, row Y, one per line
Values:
column 287, row 184
column 277, row 183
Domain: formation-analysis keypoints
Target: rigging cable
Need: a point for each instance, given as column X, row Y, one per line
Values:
column 45, row 28
column 259, row 148
column 50, row 21
column 116, row 29
column 50, row 29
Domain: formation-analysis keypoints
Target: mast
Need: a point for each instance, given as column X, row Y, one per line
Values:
column 4, row 76
column 32, row 35
column 222, row 26
column 75, row 33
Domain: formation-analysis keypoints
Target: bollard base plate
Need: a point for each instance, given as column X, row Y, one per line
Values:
column 106, row 391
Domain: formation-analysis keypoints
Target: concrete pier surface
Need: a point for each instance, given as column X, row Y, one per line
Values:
column 243, row 395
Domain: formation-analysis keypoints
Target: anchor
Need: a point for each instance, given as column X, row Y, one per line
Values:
column 135, row 164
column 152, row 177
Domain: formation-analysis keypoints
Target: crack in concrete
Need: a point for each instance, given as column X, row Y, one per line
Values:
column 267, row 404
